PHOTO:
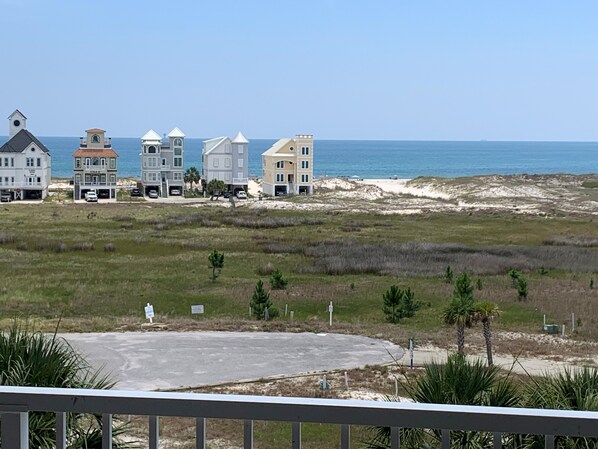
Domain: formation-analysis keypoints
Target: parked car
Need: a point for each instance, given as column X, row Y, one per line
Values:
column 6, row 198
column 227, row 195
column 175, row 192
column 241, row 195
column 135, row 192
column 91, row 197
column 103, row 194
column 153, row 194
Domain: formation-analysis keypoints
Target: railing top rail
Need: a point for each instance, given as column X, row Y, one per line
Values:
column 334, row 411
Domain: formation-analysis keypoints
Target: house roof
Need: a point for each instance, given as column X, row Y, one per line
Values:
column 16, row 111
column 240, row 138
column 274, row 149
column 91, row 152
column 176, row 133
column 95, row 130
column 151, row 135
column 20, row 141
column 211, row 144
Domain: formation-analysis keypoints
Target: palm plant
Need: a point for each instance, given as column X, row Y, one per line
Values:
column 192, row 176
column 457, row 381
column 485, row 312
column 460, row 311
column 33, row 359
column 569, row 390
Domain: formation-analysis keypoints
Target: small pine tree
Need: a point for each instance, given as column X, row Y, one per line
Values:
column 277, row 280
column 216, row 263
column 522, row 288
column 448, row 275
column 392, row 298
column 514, row 275
column 260, row 301
column 591, row 283
column 479, row 283
column 407, row 305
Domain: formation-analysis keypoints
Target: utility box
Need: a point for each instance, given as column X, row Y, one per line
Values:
column 551, row 328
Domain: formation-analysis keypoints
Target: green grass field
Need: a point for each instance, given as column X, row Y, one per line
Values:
column 56, row 260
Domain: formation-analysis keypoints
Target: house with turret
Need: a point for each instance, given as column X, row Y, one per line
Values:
column 162, row 163
column 227, row 160
column 25, row 163
column 95, row 165
column 288, row 167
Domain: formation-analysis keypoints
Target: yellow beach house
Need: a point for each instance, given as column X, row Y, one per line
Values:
column 288, row 167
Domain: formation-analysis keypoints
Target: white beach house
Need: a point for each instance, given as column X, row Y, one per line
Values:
column 162, row 163
column 25, row 162
column 227, row 160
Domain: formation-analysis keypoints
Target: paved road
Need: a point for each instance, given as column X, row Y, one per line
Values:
column 166, row 360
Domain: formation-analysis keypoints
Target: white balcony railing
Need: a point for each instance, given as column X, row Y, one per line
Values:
column 240, row 181
column 17, row 402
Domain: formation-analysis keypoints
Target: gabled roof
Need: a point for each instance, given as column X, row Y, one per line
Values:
column 20, row 141
column 176, row 133
column 151, row 135
column 17, row 112
column 240, row 138
column 211, row 144
column 274, row 149
column 95, row 130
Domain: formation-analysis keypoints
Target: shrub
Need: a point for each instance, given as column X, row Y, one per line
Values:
column 216, row 263
column 83, row 246
column 399, row 304
column 6, row 238
column 109, row 247
column 522, row 288
column 448, row 275
column 266, row 270
column 277, row 281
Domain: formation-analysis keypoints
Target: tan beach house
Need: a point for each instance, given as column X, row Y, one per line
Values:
column 288, row 167
column 25, row 163
column 95, row 165
column 162, row 163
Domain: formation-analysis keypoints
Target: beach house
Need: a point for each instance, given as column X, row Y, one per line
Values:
column 227, row 160
column 288, row 167
column 95, row 166
column 162, row 163
column 25, row 163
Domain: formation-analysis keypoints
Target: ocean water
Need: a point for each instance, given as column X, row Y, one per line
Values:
column 377, row 158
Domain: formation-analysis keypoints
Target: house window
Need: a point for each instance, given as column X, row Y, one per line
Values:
column 163, row 162
column 87, row 179
column 1, row 162
column 241, row 149
column 95, row 161
column 240, row 163
column 112, row 179
column 39, row 161
column 77, row 162
column 215, row 163
column 6, row 180
column 95, row 138
column 12, row 180
column 6, row 162
column 39, row 180
column 178, row 161
column 304, row 178
column 280, row 164
column 305, row 151
column 87, row 161
column 228, row 148
column 227, row 162
column 177, row 176
column 12, row 161
column 102, row 179
column 279, row 177
column 151, row 149
column 29, row 162
column 178, row 151
column 304, row 164
column 113, row 163
column 103, row 162
column 77, row 179
column 240, row 175
column 178, row 142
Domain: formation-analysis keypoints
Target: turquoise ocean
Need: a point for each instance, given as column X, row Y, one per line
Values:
column 376, row 158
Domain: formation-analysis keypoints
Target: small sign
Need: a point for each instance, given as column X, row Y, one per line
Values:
column 149, row 312
column 197, row 308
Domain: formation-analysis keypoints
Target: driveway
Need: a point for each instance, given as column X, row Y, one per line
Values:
column 168, row 360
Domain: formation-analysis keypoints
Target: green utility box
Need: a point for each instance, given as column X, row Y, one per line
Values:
column 551, row 328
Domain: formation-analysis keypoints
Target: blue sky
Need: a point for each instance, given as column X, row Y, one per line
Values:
column 339, row 69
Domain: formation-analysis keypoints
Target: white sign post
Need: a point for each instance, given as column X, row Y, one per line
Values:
column 330, row 309
column 197, row 309
column 149, row 312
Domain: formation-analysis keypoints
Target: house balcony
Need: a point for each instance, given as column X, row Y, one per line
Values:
column 107, row 142
column 17, row 402
column 240, row 181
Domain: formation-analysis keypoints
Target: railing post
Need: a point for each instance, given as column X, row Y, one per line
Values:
column 200, row 433
column 296, row 435
column 446, row 439
column 60, row 430
column 496, row 440
column 15, row 430
column 549, row 441
column 395, row 438
column 345, row 436
column 107, row 431
column 248, row 434
column 154, row 432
